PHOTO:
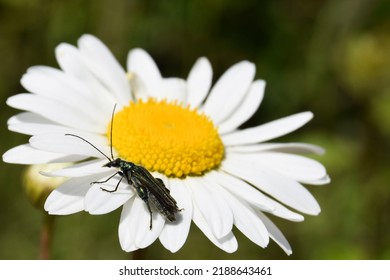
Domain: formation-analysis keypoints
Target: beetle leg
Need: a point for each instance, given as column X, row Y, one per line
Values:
column 117, row 185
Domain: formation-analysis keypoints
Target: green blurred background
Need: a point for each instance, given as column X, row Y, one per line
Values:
column 331, row 57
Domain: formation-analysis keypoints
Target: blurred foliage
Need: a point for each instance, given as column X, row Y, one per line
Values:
column 331, row 57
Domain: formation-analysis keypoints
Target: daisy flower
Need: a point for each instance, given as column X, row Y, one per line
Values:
column 185, row 132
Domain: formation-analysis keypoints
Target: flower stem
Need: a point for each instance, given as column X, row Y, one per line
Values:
column 47, row 232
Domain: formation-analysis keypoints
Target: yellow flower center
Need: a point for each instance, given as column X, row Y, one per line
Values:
column 167, row 138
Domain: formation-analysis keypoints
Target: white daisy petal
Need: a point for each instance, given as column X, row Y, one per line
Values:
column 229, row 91
column 228, row 243
column 28, row 117
column 31, row 123
column 87, row 168
column 141, row 236
column 322, row 181
column 299, row 148
column 55, row 84
column 140, row 216
column 174, row 235
column 26, row 154
column 126, row 239
column 215, row 210
column 293, row 166
column 104, row 65
column 247, row 221
column 246, row 109
column 173, row 90
column 60, row 143
column 140, row 91
column 243, row 190
column 141, row 63
column 68, row 198
column 285, row 213
column 276, row 234
column 199, row 82
column 98, row 201
column 282, row 188
column 33, row 129
column 267, row 131
column 56, row 111
column 224, row 208
column 72, row 63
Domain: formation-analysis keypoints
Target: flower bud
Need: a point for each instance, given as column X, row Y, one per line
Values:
column 37, row 187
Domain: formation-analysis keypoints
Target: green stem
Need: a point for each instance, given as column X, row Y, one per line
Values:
column 47, row 232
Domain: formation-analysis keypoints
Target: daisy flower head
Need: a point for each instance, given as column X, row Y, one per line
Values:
column 185, row 132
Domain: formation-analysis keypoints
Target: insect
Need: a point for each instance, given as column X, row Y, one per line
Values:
column 150, row 189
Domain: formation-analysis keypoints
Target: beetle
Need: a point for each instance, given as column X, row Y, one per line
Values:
column 150, row 189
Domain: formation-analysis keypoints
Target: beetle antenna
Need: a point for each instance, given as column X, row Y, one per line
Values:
column 112, row 125
column 69, row 134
